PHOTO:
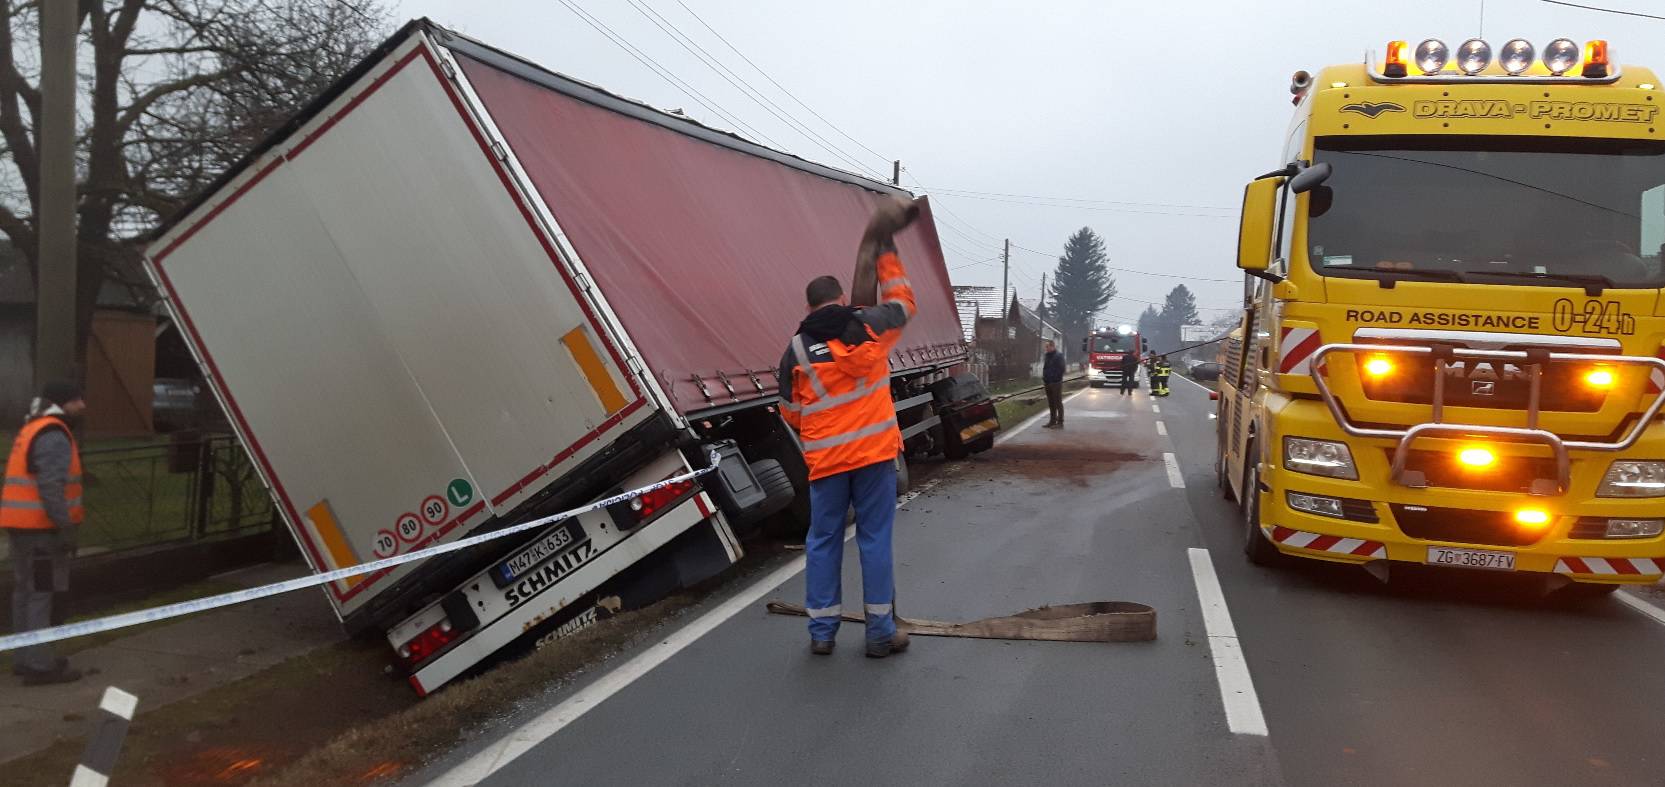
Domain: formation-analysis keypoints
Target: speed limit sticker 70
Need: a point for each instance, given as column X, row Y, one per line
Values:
column 386, row 544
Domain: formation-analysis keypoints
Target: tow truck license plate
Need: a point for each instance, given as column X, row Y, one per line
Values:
column 551, row 544
column 1471, row 558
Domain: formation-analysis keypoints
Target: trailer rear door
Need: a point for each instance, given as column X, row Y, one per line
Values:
column 390, row 330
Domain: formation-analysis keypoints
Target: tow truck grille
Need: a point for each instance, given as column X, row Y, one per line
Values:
column 1510, row 474
column 1492, row 528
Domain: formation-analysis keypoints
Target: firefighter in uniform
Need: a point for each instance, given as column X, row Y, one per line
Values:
column 835, row 381
column 40, row 510
column 1159, row 376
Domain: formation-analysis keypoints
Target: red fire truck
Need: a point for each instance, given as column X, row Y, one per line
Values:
column 1106, row 351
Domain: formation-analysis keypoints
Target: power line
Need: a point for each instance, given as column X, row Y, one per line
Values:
column 739, row 83
column 1604, row 10
column 1101, row 208
column 660, row 71
column 1131, row 270
column 772, row 81
column 972, row 192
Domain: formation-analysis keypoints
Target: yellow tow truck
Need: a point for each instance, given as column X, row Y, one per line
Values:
column 1450, row 351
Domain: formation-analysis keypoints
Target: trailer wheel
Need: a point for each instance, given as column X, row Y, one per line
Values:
column 777, row 487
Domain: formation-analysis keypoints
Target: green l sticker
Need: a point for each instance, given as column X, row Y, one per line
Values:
column 461, row 492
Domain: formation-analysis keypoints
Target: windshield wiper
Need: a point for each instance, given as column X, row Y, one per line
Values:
column 1593, row 283
column 1420, row 273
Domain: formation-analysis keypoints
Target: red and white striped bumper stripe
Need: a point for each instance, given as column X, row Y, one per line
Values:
column 1357, row 547
column 1656, row 378
column 1613, row 566
column 1295, row 349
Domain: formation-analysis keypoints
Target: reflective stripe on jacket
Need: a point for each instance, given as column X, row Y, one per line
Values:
column 21, row 506
column 839, row 390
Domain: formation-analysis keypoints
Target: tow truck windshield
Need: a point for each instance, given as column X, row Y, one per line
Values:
column 1492, row 210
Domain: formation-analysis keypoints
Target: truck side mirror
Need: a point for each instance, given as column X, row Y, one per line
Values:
column 1254, row 232
column 1310, row 178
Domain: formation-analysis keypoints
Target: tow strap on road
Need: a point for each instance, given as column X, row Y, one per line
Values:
column 1093, row 621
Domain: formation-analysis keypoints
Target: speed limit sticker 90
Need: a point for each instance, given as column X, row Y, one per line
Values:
column 408, row 527
column 434, row 509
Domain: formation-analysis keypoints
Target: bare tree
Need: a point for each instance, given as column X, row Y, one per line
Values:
column 172, row 93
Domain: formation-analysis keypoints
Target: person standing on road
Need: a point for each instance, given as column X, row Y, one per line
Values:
column 41, row 510
column 835, row 387
column 1159, row 376
column 1130, row 372
column 1052, row 376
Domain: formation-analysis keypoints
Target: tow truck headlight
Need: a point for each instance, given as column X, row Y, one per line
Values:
column 1635, row 528
column 1516, row 56
column 1473, row 56
column 1432, row 55
column 1626, row 478
column 1560, row 56
column 1319, row 457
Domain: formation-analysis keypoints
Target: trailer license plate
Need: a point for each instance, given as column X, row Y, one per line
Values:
column 551, row 544
column 1471, row 558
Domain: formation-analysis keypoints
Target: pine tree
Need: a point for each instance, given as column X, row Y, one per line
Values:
column 1178, row 309
column 1150, row 324
column 1082, row 285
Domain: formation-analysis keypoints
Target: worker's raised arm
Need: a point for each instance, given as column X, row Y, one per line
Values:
column 896, row 302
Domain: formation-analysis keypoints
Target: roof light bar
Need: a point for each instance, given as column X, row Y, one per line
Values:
column 1517, row 59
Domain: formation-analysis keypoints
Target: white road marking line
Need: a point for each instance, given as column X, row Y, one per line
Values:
column 1156, row 408
column 1034, row 419
column 1194, row 382
column 1625, row 597
column 1175, row 480
column 524, row 738
column 1161, row 428
column 1231, row 670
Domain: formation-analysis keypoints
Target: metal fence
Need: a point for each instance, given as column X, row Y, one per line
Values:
column 191, row 489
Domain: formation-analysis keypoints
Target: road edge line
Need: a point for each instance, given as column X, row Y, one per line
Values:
column 1033, row 419
column 1175, row 479
column 1637, row 603
column 1231, row 669
column 509, row 746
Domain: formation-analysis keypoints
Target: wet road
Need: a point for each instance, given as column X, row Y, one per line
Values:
column 1312, row 675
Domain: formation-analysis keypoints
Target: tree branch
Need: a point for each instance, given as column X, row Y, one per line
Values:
column 136, row 109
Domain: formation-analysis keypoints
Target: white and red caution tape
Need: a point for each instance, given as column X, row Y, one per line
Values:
column 154, row 614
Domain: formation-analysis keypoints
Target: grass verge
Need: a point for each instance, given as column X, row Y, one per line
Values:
column 1014, row 410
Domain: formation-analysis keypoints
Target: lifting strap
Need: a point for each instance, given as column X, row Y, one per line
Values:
column 1093, row 621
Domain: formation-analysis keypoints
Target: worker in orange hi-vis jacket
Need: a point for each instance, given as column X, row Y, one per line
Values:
column 835, row 384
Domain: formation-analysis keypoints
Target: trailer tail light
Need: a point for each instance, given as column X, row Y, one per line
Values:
column 638, row 510
column 1595, row 58
column 432, row 640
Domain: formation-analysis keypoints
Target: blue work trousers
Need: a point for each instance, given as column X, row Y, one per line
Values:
column 872, row 490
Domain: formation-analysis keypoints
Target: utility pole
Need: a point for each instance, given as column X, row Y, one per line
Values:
column 1040, row 314
column 1005, row 300
column 55, row 259
column 896, row 173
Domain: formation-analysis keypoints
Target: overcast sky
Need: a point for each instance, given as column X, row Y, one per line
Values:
column 1127, row 110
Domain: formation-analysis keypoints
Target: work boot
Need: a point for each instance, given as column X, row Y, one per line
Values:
column 897, row 643
column 821, row 647
column 49, row 677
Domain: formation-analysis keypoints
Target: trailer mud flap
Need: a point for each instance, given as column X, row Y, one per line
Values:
column 1093, row 621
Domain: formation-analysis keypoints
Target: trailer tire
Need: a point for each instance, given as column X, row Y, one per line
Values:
column 777, row 488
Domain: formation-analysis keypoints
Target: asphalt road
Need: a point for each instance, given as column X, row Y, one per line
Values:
column 1431, row 680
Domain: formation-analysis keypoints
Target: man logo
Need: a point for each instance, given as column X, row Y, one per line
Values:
column 1371, row 110
column 1483, row 387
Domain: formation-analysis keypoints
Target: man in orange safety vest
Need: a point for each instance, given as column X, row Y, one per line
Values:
column 41, row 510
column 835, row 386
